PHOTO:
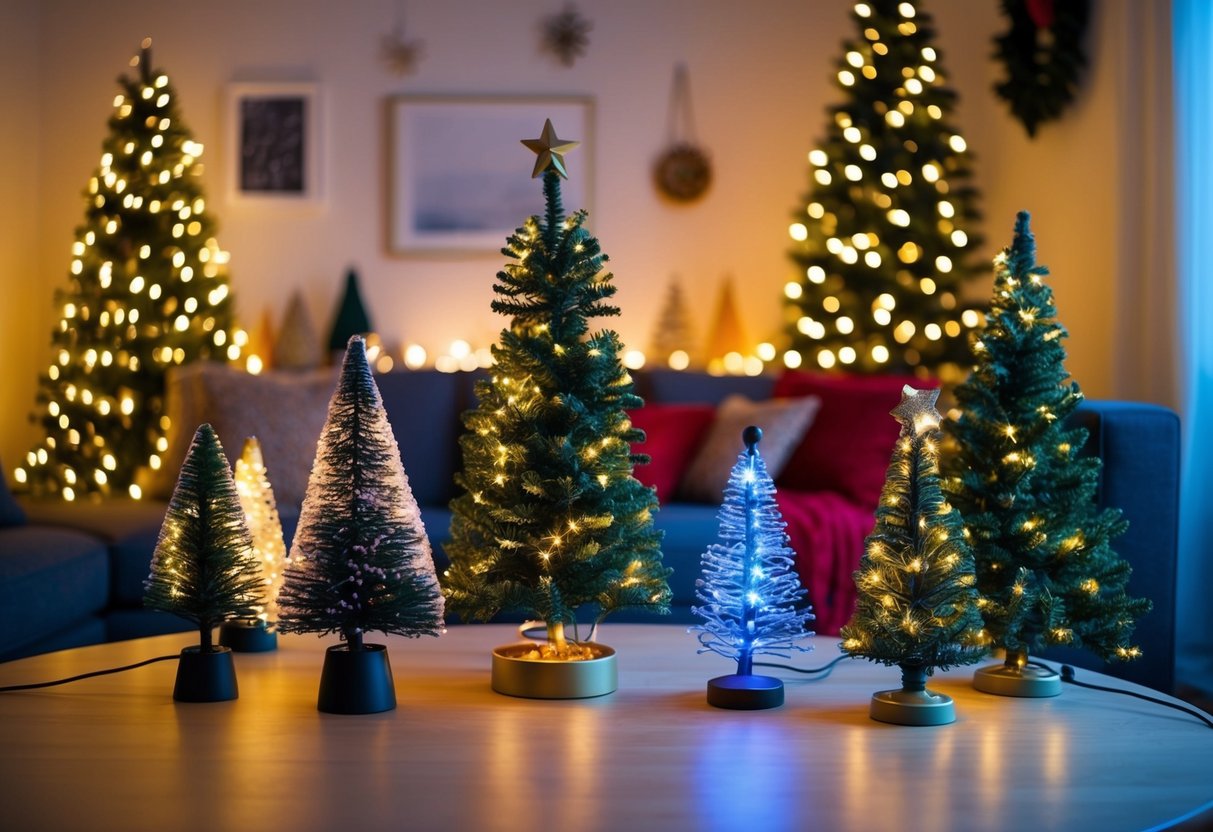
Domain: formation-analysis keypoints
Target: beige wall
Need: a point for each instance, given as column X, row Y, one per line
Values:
column 760, row 80
column 23, row 287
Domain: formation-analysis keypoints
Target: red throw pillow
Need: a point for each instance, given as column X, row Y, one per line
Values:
column 849, row 447
column 673, row 433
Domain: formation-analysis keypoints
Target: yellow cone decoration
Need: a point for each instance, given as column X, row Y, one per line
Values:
column 261, row 515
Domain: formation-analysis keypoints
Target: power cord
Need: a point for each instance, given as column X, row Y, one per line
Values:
column 824, row 670
column 35, row 685
column 1067, row 676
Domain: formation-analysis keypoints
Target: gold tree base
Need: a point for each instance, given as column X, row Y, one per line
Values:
column 515, row 673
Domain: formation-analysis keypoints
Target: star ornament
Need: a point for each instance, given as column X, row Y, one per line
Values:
column 551, row 150
column 917, row 409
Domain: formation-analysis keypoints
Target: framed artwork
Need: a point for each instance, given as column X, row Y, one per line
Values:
column 274, row 137
column 460, row 178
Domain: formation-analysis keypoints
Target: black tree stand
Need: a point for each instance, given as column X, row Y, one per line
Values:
column 357, row 679
column 743, row 691
column 205, row 675
column 248, row 636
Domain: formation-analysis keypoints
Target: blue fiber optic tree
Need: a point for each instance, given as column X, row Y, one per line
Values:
column 749, row 587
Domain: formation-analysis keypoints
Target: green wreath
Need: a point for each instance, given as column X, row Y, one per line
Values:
column 1043, row 56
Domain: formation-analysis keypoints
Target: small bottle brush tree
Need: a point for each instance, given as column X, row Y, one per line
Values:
column 261, row 515
column 1046, row 569
column 749, row 590
column 360, row 559
column 148, row 290
column 883, row 238
column 917, row 600
column 550, row 517
column 203, row 568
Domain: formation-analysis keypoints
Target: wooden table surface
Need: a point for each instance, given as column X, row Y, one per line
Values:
column 116, row 752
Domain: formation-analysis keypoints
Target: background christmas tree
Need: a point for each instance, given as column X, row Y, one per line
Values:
column 148, row 290
column 884, row 238
column 673, row 343
column 1045, row 566
column 360, row 559
column 750, row 588
column 550, row 517
column 917, row 604
column 203, row 568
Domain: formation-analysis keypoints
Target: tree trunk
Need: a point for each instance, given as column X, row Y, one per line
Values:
column 556, row 638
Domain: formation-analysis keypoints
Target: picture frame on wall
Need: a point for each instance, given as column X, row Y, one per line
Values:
column 460, row 179
column 275, row 143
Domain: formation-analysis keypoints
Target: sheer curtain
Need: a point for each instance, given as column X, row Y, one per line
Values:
column 1192, row 32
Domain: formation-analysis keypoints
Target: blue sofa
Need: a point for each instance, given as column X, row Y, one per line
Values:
column 73, row 573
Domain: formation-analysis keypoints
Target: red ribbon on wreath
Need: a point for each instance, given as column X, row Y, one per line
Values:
column 1042, row 13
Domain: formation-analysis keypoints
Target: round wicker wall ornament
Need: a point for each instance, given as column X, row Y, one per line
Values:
column 682, row 171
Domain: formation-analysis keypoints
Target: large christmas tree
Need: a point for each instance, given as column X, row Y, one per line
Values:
column 360, row 559
column 147, row 290
column 917, row 605
column 551, row 518
column 1046, row 569
column 884, row 236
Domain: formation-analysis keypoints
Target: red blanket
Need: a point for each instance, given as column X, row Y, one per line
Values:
column 826, row 531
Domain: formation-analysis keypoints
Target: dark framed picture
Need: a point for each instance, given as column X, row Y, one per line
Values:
column 275, row 142
column 460, row 179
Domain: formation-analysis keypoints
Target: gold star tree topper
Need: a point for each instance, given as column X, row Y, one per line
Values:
column 551, row 150
column 916, row 410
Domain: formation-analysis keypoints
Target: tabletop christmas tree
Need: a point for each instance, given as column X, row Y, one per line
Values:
column 261, row 515
column 750, row 588
column 884, row 236
column 917, row 604
column 1046, row 570
column 550, row 518
column 360, row 559
column 203, row 568
column 148, row 290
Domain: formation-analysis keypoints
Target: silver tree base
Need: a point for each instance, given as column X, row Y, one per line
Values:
column 912, row 707
column 1007, row 680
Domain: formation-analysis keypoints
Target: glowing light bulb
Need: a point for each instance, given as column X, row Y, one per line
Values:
column 679, row 360
column 793, row 290
column 633, row 359
column 816, row 274
column 798, row 232
column 792, row 359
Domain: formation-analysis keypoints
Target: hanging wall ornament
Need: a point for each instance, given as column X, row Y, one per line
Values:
column 400, row 53
column 566, row 35
column 683, row 171
column 1043, row 56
